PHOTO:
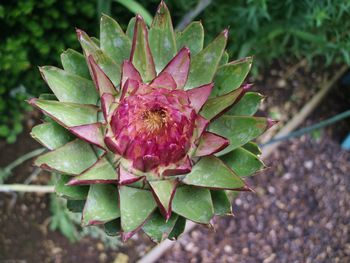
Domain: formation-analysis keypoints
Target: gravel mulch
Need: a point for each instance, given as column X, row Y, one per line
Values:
column 299, row 213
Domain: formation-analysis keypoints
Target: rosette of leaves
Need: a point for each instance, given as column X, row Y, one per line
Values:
column 147, row 128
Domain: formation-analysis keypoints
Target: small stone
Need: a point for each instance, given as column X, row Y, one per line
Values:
column 281, row 83
column 245, row 251
column 189, row 246
column 227, row 249
column 270, row 258
column 238, row 202
column 100, row 246
column 121, row 258
column 271, row 189
column 308, row 164
column 102, row 257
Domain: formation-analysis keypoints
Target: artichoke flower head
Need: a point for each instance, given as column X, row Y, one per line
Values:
column 147, row 129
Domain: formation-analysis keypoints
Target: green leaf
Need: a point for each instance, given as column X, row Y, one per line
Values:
column 221, row 202
column 211, row 172
column 135, row 205
column 178, row 229
column 231, row 76
column 243, row 162
column 69, row 87
column 162, row 38
column 238, row 129
column 130, row 29
column 96, row 41
column 157, row 228
column 141, row 55
column 75, row 63
column 224, row 59
column 164, row 191
column 51, row 135
column 106, row 63
column 252, row 147
column 101, row 205
column 114, row 42
column 101, row 172
column 193, row 203
column 47, row 96
column 66, row 113
column 70, row 192
column 192, row 37
column 248, row 105
column 72, row 158
column 75, row 206
column 214, row 106
column 205, row 63
column 113, row 228
column 60, row 219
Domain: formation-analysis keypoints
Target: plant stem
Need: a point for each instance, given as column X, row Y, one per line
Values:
column 24, row 158
column 321, row 124
column 137, row 8
column 26, row 188
column 202, row 4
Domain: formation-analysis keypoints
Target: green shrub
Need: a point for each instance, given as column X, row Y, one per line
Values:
column 270, row 29
column 35, row 32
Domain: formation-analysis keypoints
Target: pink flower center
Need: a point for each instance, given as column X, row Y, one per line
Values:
column 154, row 128
column 154, row 119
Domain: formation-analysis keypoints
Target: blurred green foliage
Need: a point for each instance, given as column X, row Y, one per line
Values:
column 35, row 32
column 271, row 29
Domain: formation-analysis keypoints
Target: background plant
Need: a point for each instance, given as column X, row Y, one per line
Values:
column 271, row 29
column 35, row 33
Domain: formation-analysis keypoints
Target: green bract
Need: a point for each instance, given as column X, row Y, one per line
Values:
column 148, row 128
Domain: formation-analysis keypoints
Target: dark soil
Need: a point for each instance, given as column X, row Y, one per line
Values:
column 299, row 213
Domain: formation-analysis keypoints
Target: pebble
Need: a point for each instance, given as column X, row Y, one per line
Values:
column 308, row 165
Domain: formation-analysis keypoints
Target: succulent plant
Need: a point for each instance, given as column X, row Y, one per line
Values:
column 147, row 129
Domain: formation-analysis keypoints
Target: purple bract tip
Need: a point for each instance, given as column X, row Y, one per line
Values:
column 271, row 122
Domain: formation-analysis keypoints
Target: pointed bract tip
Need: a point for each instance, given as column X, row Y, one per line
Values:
column 167, row 216
column 78, row 31
column 104, row 17
column 271, row 122
column 185, row 49
column 247, row 87
column 162, row 4
column 41, row 71
column 126, row 236
column 139, row 18
column 72, row 182
column 32, row 101
column 225, row 33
